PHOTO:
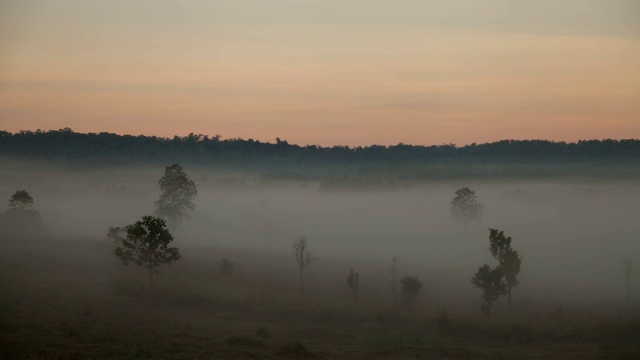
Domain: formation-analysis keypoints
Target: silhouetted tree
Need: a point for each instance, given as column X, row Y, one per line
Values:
column 465, row 207
column 226, row 267
column 25, row 222
column 394, row 279
column 304, row 257
column 509, row 259
column 146, row 244
column 492, row 284
column 20, row 201
column 411, row 287
column 628, row 268
column 353, row 283
column 177, row 195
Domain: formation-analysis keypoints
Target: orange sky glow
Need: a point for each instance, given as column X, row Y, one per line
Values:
column 324, row 72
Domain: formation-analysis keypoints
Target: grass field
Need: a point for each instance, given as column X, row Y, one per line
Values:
column 73, row 300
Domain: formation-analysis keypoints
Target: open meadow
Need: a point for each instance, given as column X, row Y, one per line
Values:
column 66, row 296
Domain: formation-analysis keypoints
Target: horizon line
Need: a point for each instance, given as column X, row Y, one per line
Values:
column 220, row 138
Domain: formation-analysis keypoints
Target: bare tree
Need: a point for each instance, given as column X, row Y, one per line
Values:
column 394, row 279
column 226, row 267
column 304, row 257
column 353, row 282
column 628, row 268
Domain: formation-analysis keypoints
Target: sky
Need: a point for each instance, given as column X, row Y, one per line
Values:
column 347, row 72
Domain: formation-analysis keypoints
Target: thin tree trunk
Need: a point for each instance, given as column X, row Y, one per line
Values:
column 509, row 297
column 394, row 288
column 151, row 276
column 486, row 309
column 301, row 286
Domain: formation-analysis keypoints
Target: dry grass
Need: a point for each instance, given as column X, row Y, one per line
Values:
column 72, row 300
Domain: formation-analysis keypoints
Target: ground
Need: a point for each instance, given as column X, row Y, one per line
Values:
column 73, row 300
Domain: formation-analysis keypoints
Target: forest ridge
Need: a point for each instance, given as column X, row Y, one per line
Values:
column 65, row 144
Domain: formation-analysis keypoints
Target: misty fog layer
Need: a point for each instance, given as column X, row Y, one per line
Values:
column 573, row 235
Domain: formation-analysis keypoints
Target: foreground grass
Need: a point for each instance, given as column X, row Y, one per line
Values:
column 73, row 301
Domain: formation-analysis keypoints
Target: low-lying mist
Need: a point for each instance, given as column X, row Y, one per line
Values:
column 573, row 235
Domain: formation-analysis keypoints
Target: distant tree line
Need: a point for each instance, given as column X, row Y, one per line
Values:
column 65, row 144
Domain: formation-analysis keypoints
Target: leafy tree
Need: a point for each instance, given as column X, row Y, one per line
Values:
column 353, row 283
column 25, row 221
column 145, row 243
column 492, row 284
column 20, row 201
column 411, row 287
column 509, row 259
column 465, row 206
column 628, row 268
column 117, row 233
column 177, row 195
column 304, row 257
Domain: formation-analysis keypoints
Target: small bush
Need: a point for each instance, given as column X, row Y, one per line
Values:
column 241, row 341
column 388, row 318
column 263, row 333
column 140, row 353
column 295, row 350
column 519, row 333
column 443, row 322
